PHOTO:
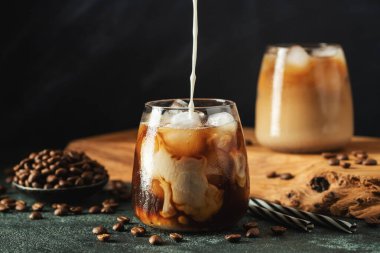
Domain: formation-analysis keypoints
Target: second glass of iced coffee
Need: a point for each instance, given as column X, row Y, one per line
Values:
column 190, row 170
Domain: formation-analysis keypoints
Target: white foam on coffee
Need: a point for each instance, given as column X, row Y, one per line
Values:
column 297, row 56
column 220, row 119
column 193, row 77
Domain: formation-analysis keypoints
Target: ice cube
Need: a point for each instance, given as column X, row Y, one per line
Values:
column 325, row 51
column 178, row 103
column 186, row 120
column 220, row 119
column 297, row 56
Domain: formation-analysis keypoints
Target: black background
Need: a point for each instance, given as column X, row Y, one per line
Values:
column 77, row 68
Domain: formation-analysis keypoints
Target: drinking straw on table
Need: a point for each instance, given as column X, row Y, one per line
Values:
column 297, row 223
column 322, row 220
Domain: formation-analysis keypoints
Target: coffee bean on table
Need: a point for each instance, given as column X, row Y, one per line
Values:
column 4, row 208
column 278, row 230
column 35, row 216
column 156, row 240
column 176, row 237
column 234, row 238
column 250, row 224
column 333, row 162
column 372, row 221
column 104, row 237
column 20, row 206
column 61, row 211
column 342, row 156
column 99, row 230
column 107, row 210
column 76, row 209
column 359, row 161
column 119, row 227
column 370, row 162
column 38, row 206
column 10, row 203
column 94, row 209
column 272, row 174
column 138, row 231
column 110, row 203
column 345, row 165
column 286, row 176
column 252, row 232
column 123, row 219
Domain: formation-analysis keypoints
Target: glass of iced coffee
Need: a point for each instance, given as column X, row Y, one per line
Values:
column 190, row 169
column 304, row 101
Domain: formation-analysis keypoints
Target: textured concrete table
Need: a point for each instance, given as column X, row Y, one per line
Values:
column 73, row 234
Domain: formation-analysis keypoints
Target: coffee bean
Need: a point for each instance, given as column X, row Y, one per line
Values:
column 138, row 231
column 99, row 230
column 61, row 211
column 272, row 174
column 35, row 216
column 328, row 155
column 362, row 156
column 278, row 230
column 51, row 179
column 249, row 225
column 4, row 208
column 79, row 182
column 333, row 162
column 370, row 162
column 20, row 207
column 3, row 189
column 372, row 221
column 76, row 209
column 119, row 227
column 252, row 232
column 104, row 237
column 10, row 203
column 110, row 203
column 155, row 240
column 123, row 219
column 286, row 176
column 345, row 165
column 60, row 205
column 342, row 156
column 87, row 176
column 234, row 238
column 94, row 209
column 38, row 206
column 61, row 172
column 176, row 237
column 358, row 153
column 107, row 210
column 359, row 161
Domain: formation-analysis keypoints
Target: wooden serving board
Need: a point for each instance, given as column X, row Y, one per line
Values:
column 351, row 192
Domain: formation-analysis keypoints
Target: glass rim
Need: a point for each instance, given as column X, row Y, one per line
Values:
column 305, row 45
column 225, row 103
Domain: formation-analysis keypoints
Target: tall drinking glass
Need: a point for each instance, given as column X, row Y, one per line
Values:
column 190, row 170
column 304, row 99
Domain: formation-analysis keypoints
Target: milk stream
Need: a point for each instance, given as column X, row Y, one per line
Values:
column 193, row 77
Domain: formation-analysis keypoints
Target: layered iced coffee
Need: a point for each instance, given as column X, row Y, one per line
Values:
column 304, row 99
column 190, row 171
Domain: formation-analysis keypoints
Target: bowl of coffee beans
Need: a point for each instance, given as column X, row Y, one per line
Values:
column 59, row 175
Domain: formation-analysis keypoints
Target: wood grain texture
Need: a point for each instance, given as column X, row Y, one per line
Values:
column 352, row 192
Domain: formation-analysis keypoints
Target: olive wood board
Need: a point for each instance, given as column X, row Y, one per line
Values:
column 351, row 192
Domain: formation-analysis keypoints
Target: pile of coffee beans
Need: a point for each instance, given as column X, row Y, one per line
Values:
column 56, row 169
column 342, row 159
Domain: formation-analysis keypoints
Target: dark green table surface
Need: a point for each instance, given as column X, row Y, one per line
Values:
column 73, row 234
